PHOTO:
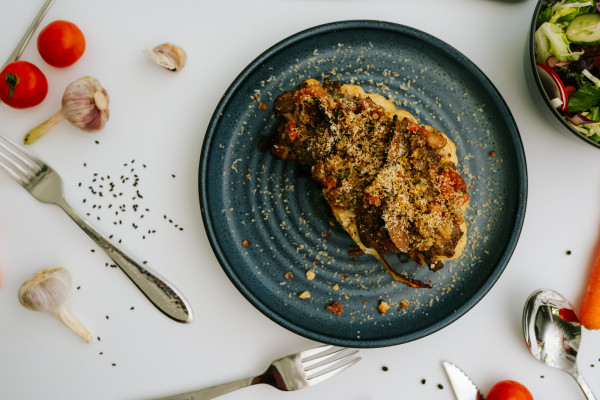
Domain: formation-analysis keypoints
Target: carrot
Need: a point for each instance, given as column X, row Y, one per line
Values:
column 589, row 313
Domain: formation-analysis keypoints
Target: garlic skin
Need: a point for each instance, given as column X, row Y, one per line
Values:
column 168, row 55
column 47, row 291
column 84, row 104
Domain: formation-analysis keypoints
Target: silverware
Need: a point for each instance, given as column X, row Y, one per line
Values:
column 464, row 388
column 294, row 372
column 553, row 333
column 25, row 39
column 46, row 186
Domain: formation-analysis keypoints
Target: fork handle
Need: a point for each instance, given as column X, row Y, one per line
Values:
column 585, row 388
column 211, row 392
column 159, row 291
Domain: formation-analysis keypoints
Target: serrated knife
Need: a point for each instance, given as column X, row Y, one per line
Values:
column 463, row 386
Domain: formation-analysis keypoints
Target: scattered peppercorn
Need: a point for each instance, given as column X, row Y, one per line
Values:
column 440, row 386
column 568, row 252
column 127, row 186
column 384, row 368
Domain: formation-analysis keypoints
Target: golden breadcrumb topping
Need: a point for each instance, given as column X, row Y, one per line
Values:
column 398, row 178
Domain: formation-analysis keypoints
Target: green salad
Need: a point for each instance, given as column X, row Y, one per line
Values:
column 567, row 48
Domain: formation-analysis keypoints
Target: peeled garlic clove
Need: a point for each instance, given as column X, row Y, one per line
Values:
column 168, row 55
column 47, row 291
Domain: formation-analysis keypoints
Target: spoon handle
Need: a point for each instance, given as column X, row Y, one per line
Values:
column 584, row 386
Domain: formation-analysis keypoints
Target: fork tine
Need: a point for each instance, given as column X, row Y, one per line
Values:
column 321, row 357
column 18, row 162
column 309, row 368
column 12, row 167
column 9, row 169
column 317, row 350
column 320, row 378
column 21, row 154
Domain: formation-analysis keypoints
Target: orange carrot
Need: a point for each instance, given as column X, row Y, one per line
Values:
column 589, row 313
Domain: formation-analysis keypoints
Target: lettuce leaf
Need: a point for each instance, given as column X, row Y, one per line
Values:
column 584, row 99
column 550, row 40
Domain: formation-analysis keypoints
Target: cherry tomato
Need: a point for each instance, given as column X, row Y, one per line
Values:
column 509, row 390
column 22, row 85
column 61, row 43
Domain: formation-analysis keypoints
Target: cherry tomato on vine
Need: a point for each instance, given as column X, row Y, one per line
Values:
column 22, row 85
column 509, row 390
column 61, row 43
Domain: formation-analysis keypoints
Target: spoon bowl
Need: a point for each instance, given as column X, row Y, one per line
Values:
column 553, row 333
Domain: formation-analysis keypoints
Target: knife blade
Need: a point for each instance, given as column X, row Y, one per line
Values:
column 464, row 388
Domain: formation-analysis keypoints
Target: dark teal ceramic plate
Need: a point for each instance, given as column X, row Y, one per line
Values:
column 264, row 217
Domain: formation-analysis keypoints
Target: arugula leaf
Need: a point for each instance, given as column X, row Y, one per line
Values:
column 583, row 99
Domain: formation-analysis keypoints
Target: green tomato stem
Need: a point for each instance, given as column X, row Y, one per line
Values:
column 12, row 81
column 40, row 130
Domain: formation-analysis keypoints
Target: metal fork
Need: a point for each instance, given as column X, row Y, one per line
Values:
column 27, row 36
column 46, row 186
column 294, row 372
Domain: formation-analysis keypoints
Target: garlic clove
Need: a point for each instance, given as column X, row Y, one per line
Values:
column 33, row 135
column 69, row 320
column 168, row 55
column 47, row 291
column 84, row 104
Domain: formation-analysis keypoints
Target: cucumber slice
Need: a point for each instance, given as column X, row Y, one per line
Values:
column 584, row 29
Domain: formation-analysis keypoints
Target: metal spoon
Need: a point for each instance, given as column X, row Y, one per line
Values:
column 553, row 333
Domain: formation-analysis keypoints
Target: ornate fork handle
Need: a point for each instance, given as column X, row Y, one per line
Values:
column 155, row 288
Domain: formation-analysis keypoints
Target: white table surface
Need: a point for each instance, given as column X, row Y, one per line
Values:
column 159, row 119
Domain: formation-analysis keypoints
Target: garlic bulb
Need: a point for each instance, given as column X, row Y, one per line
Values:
column 47, row 291
column 84, row 104
column 168, row 55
